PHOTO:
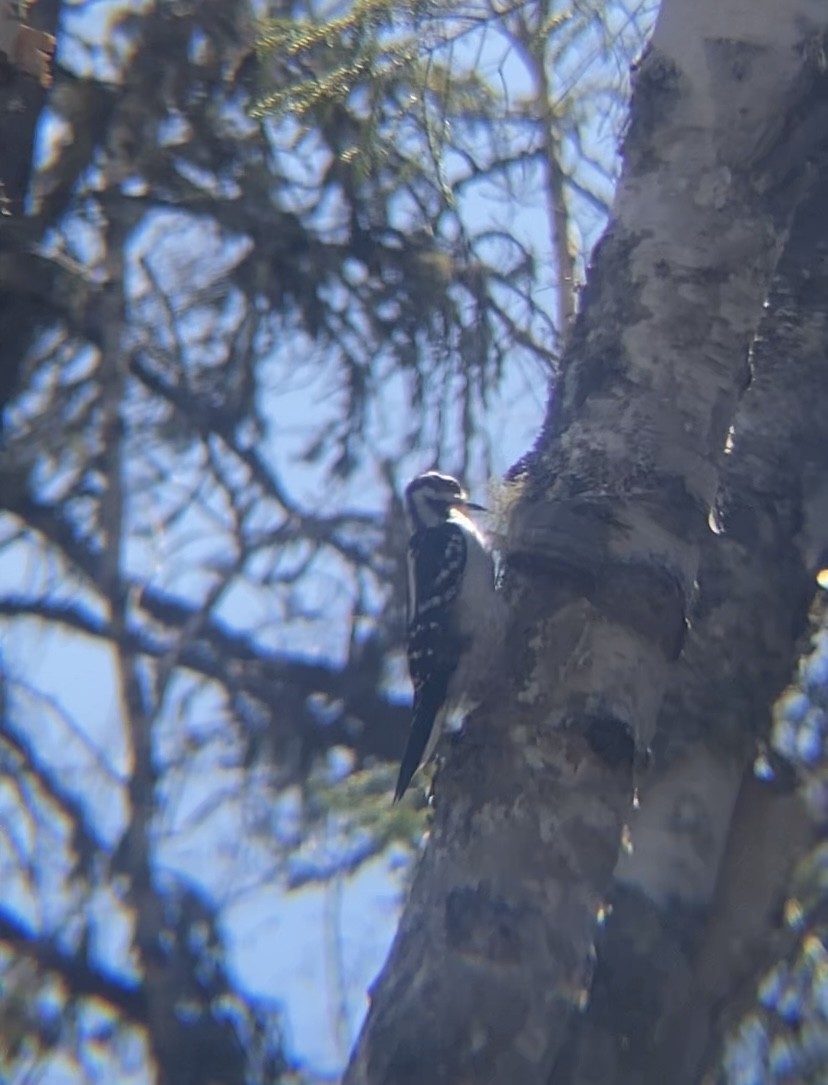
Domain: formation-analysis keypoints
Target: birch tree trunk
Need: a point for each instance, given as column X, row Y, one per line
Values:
column 605, row 524
column 697, row 902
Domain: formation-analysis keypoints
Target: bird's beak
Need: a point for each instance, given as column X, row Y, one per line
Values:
column 475, row 507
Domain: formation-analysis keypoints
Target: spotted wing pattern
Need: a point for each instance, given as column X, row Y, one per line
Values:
column 436, row 562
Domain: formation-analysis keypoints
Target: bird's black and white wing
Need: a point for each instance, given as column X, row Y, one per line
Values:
column 436, row 565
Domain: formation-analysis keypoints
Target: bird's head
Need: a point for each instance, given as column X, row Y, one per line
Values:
column 431, row 498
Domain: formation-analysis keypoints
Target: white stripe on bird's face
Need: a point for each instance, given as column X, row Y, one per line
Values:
column 429, row 499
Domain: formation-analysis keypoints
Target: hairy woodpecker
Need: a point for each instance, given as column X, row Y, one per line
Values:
column 450, row 587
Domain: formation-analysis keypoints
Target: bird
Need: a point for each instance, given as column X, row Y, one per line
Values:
column 451, row 583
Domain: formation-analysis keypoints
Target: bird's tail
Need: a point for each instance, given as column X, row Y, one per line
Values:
column 423, row 734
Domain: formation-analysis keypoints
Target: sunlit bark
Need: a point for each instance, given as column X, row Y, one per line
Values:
column 606, row 522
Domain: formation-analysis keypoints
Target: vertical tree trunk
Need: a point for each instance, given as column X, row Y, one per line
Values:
column 605, row 521
column 698, row 896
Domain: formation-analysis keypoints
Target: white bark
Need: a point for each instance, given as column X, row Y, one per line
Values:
column 602, row 546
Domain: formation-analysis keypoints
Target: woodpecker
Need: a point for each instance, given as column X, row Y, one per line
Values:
column 450, row 587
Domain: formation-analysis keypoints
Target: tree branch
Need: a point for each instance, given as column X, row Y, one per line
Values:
column 83, row 979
